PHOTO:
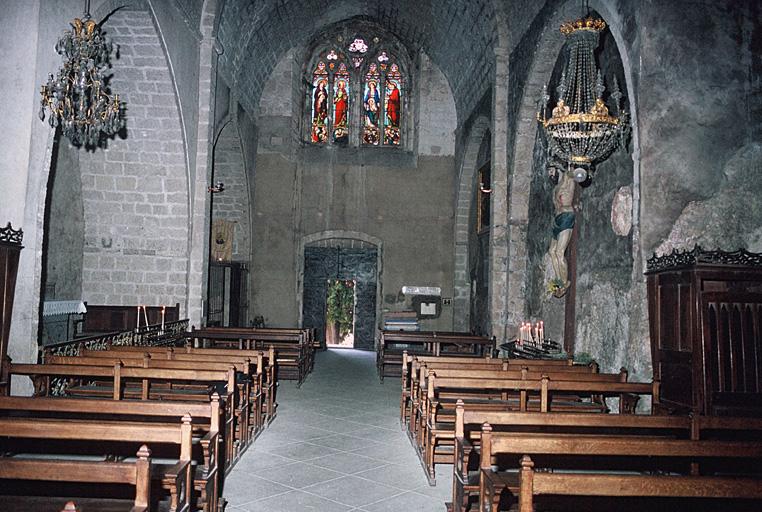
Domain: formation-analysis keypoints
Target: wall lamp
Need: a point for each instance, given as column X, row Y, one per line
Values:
column 219, row 187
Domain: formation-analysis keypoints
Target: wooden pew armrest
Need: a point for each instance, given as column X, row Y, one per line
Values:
column 628, row 403
column 210, row 446
column 176, row 478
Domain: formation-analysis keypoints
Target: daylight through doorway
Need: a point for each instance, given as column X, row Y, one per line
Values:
column 340, row 313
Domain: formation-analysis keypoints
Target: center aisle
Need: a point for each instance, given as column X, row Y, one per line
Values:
column 335, row 445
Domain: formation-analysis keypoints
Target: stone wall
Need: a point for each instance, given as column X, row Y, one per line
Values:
column 64, row 226
column 233, row 203
column 135, row 192
column 401, row 198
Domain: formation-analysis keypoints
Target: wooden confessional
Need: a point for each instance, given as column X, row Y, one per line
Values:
column 705, row 317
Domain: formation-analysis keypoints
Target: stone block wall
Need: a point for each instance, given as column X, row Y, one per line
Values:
column 135, row 192
column 65, row 224
column 233, row 203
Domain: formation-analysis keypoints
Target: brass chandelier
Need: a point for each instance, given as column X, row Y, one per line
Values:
column 78, row 97
column 581, row 131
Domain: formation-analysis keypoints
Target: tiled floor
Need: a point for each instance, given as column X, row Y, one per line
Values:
column 335, row 445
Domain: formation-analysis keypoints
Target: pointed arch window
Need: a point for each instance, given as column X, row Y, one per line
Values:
column 319, row 133
column 382, row 106
column 341, row 95
column 357, row 94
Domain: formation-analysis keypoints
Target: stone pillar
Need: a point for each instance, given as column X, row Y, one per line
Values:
column 498, row 243
column 10, row 247
column 198, row 243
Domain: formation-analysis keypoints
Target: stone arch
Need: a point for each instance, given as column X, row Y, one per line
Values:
column 463, row 206
column 348, row 239
column 233, row 203
column 550, row 43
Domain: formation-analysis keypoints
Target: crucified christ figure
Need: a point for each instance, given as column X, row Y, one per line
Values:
column 563, row 223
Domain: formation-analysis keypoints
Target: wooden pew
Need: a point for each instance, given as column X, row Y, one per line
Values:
column 265, row 360
column 45, row 376
column 414, row 385
column 248, row 411
column 468, row 436
column 476, row 369
column 393, row 344
column 207, row 419
column 600, row 482
column 136, row 474
column 176, row 477
column 515, row 394
column 446, row 399
column 294, row 353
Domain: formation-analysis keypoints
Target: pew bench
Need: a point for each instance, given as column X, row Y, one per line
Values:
column 117, row 383
column 392, row 346
column 264, row 361
column 136, row 474
column 435, row 435
column 411, row 371
column 295, row 355
column 592, row 473
column 469, row 421
column 207, row 419
column 418, row 383
column 248, row 381
column 61, row 439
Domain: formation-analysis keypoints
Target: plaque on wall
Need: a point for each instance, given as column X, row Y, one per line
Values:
column 222, row 240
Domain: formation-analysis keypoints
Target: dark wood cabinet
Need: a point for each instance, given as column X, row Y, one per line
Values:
column 705, row 318
column 10, row 249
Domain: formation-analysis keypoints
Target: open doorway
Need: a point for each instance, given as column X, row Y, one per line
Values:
column 340, row 313
column 327, row 260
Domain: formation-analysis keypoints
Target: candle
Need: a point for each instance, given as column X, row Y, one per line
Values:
column 145, row 314
column 162, row 317
column 542, row 331
column 137, row 323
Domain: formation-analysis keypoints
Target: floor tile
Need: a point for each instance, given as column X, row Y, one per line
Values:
column 336, row 446
column 295, row 501
column 352, row 491
column 406, row 501
column 298, row 474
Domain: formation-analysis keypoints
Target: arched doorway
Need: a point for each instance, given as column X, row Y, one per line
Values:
column 347, row 258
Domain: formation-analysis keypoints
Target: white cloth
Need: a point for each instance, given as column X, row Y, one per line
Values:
column 62, row 307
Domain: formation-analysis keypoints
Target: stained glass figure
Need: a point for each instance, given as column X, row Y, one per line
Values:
column 392, row 106
column 341, row 94
column 371, row 107
column 319, row 132
column 383, row 57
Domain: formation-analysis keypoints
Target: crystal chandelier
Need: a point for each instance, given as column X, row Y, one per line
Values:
column 581, row 131
column 78, row 97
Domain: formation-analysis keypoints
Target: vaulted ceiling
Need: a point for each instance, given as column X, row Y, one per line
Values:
column 458, row 35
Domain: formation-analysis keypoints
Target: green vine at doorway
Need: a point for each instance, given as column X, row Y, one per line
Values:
column 340, row 304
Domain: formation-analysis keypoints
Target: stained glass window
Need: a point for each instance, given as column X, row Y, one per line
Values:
column 349, row 92
column 392, row 106
column 371, row 104
column 341, row 102
column 319, row 133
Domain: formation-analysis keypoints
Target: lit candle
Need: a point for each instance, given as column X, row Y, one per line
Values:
column 162, row 317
